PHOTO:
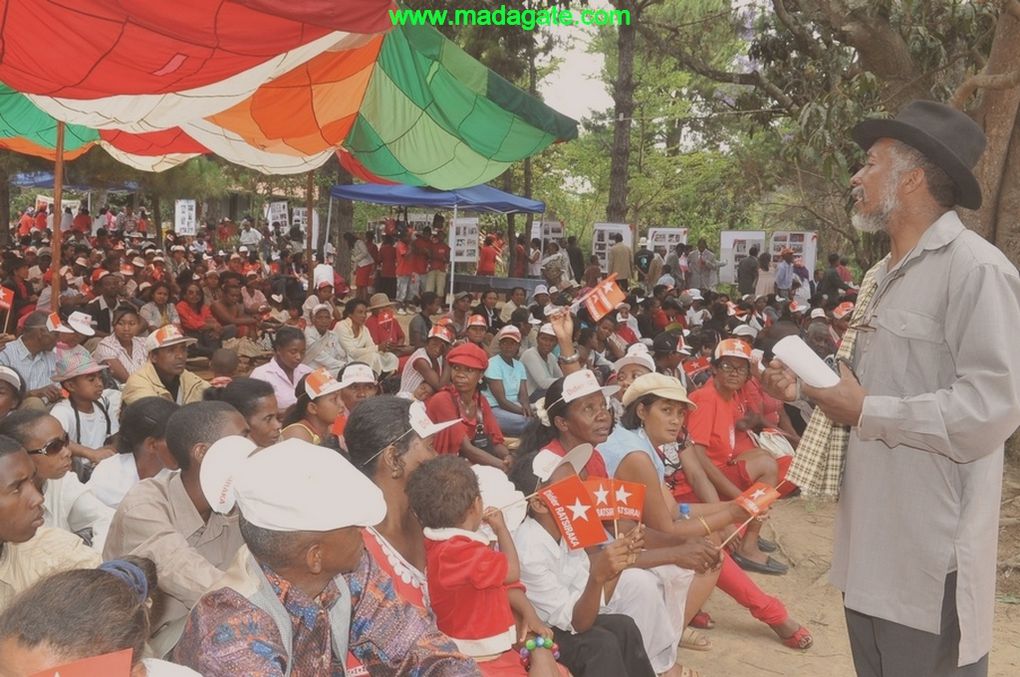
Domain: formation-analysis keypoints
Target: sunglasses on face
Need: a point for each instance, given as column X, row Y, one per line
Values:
column 50, row 448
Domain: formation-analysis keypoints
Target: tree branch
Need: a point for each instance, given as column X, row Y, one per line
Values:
column 751, row 79
column 803, row 37
column 984, row 80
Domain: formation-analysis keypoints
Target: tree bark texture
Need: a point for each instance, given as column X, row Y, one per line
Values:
column 623, row 107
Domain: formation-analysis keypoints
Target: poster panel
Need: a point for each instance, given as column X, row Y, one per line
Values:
column 601, row 241
column 185, row 221
column 734, row 245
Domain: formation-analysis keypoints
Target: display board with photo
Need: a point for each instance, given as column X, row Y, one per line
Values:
column 601, row 241
column 665, row 240
column 185, row 221
column 464, row 240
column 734, row 245
column 804, row 244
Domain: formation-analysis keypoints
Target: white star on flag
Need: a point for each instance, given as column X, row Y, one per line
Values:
column 622, row 495
column 601, row 495
column 579, row 509
column 757, row 494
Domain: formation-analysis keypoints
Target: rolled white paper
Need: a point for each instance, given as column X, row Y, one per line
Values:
column 805, row 362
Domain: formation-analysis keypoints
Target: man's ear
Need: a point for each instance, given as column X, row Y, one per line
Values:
column 313, row 558
column 198, row 453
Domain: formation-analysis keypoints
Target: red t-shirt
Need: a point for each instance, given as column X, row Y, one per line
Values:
column 467, row 593
column 404, row 263
column 420, row 251
column 385, row 331
column 445, row 406
column 520, row 261
column 387, row 261
column 595, row 467
column 25, row 225
column 40, row 220
column 711, row 424
column 440, row 256
column 82, row 223
column 487, row 260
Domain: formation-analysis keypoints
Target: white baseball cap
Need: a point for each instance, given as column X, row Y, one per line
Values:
column 540, row 289
column 744, row 330
column 53, row 323
column 546, row 462
column 320, row 382
column 636, row 354
column 817, row 313
column 582, row 383
column 293, row 485
column 357, row 373
column 81, row 323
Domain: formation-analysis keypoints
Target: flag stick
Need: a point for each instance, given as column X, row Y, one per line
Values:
column 7, row 319
column 745, row 523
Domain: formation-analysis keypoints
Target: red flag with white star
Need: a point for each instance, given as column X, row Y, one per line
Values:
column 603, row 299
column 757, row 499
column 629, row 498
column 601, row 490
column 573, row 507
column 6, row 298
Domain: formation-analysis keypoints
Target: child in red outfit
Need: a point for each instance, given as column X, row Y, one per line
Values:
column 473, row 589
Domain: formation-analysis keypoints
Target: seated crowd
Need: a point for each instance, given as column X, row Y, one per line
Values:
column 213, row 461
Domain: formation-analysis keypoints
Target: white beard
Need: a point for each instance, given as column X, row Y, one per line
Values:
column 877, row 220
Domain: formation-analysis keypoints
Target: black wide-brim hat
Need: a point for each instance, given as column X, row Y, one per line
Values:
column 948, row 137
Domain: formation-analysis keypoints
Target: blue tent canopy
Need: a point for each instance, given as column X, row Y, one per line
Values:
column 481, row 198
column 45, row 180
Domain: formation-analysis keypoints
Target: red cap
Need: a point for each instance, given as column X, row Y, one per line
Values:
column 468, row 355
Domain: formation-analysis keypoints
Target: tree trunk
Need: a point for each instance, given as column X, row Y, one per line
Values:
column 998, row 171
column 344, row 224
column 156, row 219
column 623, row 107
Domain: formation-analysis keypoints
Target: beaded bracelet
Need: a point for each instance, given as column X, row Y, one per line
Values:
column 538, row 642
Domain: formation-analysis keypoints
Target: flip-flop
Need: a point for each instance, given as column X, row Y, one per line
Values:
column 771, row 566
column 693, row 640
column 702, row 621
column 689, row 672
column 767, row 546
column 801, row 639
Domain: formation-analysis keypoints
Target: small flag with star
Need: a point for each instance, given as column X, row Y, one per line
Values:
column 6, row 298
column 629, row 498
column 117, row 664
column 603, row 299
column 602, row 491
column 757, row 499
column 573, row 507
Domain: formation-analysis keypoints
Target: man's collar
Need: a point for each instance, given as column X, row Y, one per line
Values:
column 453, row 532
column 944, row 230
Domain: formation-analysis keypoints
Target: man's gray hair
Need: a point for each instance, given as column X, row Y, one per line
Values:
column 940, row 186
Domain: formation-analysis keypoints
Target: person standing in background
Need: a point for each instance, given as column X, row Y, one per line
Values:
column 621, row 261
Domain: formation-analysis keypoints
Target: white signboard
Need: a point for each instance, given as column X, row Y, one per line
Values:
column 276, row 212
column 734, row 246
column 666, row 239
column 804, row 243
column 185, row 222
column 464, row 240
column 300, row 219
column 601, row 241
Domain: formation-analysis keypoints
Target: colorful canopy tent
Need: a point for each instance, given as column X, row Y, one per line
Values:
column 273, row 85
column 479, row 198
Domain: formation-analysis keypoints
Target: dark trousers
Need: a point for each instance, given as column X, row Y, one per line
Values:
column 883, row 648
column 610, row 648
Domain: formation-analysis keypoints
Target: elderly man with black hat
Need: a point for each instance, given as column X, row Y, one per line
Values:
column 923, row 420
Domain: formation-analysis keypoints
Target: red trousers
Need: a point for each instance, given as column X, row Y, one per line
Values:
column 735, row 582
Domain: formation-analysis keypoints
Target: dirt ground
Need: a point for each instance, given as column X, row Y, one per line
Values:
column 803, row 528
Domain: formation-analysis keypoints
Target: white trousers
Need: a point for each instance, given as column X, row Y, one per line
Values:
column 655, row 599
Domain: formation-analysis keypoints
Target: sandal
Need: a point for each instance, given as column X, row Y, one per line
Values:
column 693, row 640
column 771, row 566
column 702, row 621
column 801, row 639
column 689, row 672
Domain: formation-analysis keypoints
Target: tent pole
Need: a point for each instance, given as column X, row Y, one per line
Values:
column 310, row 207
column 451, row 239
column 329, row 218
column 58, row 194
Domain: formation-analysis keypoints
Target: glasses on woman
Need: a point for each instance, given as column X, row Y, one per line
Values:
column 51, row 448
column 733, row 368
